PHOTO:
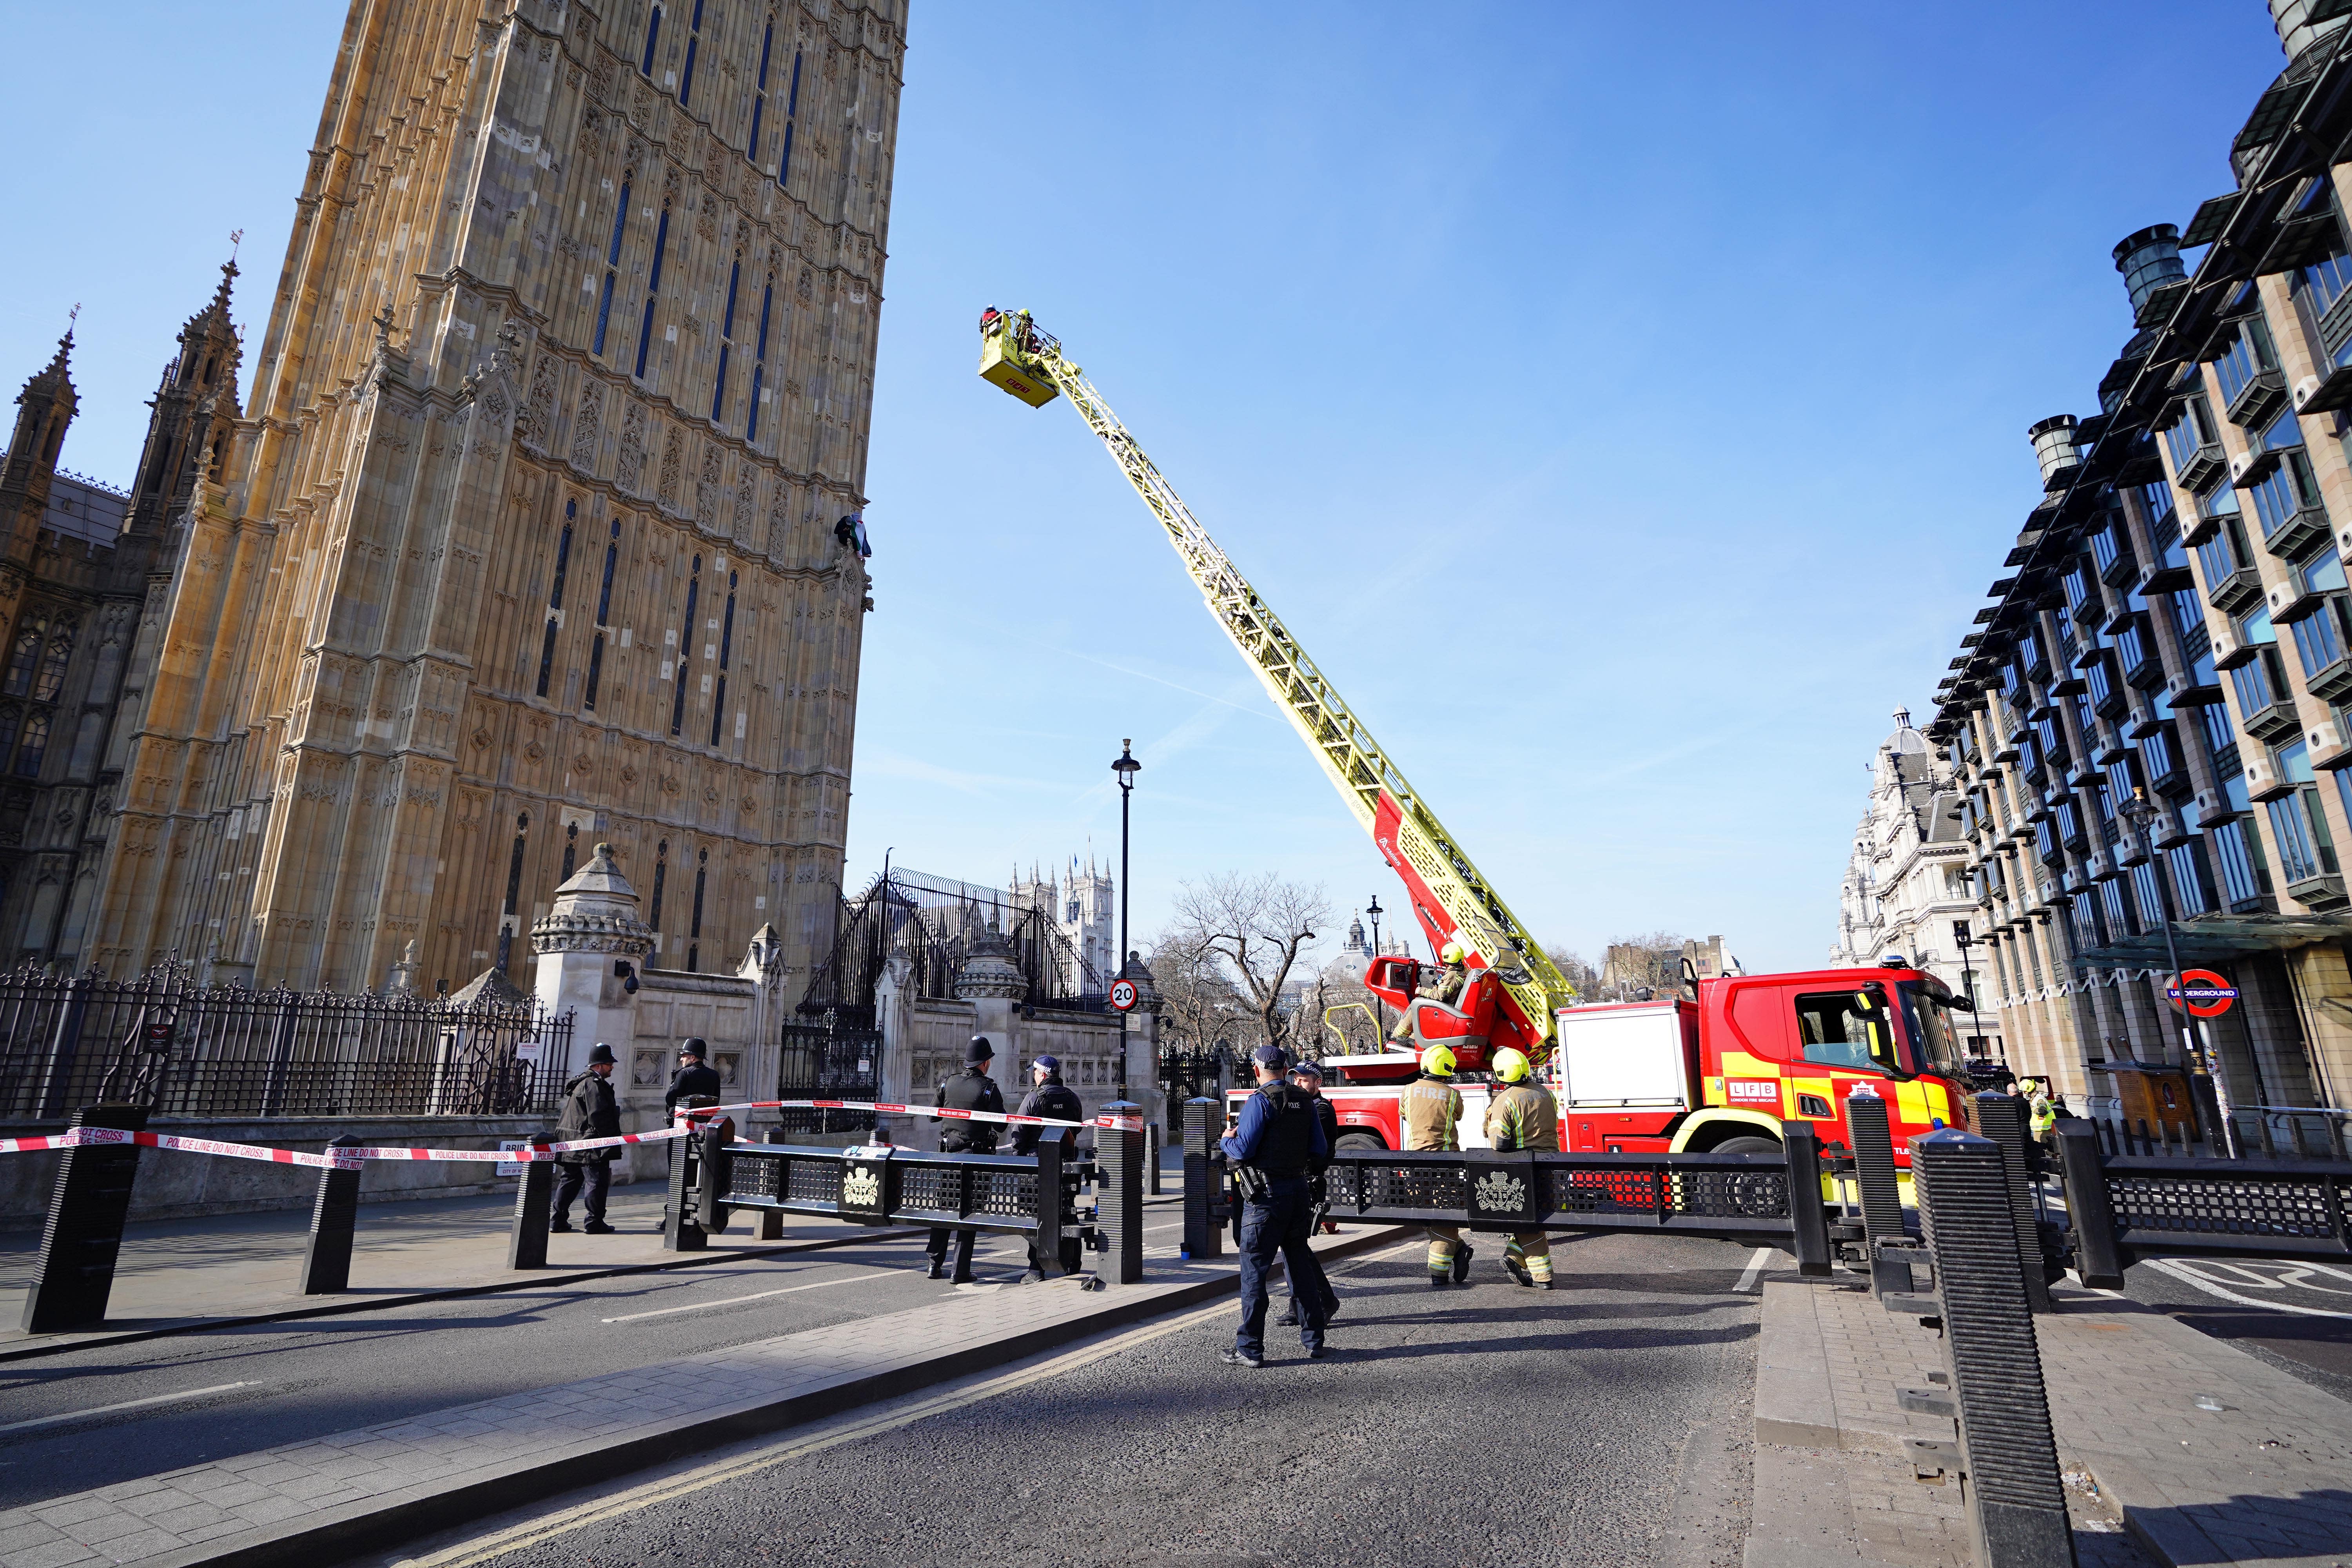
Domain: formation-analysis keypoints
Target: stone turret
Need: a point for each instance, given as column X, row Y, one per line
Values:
column 590, row 945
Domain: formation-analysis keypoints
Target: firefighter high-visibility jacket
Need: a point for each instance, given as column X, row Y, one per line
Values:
column 1523, row 1117
column 1430, row 1108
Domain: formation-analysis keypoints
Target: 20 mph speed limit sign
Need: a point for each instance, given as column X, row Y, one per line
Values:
column 1122, row 994
column 2202, row 993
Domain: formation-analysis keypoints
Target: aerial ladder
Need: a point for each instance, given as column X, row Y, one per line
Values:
column 1451, row 897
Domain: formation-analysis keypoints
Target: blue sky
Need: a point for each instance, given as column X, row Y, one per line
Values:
column 1626, row 406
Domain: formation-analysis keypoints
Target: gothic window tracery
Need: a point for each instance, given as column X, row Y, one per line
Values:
column 759, row 360
column 652, row 290
column 760, row 92
column 693, row 37
column 613, row 262
column 653, row 36
column 726, row 651
column 555, row 598
column 726, row 340
column 677, row 697
column 792, row 114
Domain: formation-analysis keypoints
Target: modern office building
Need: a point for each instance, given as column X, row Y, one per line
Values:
column 529, row 533
column 2173, row 626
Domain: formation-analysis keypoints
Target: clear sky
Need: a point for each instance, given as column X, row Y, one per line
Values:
column 1624, row 404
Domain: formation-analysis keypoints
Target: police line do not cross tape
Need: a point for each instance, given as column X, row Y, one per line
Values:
column 351, row 1158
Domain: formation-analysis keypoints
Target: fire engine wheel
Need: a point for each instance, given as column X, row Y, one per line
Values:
column 1746, row 1146
column 1358, row 1144
column 1758, row 1194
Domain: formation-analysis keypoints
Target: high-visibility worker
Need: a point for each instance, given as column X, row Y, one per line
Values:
column 2042, row 1107
column 1521, row 1116
column 1430, row 1108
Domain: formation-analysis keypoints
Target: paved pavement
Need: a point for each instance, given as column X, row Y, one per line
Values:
column 1604, row 1423
column 2256, row 1473
column 2297, row 1316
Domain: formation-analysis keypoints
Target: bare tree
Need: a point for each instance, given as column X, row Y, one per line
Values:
column 1339, row 1014
column 1652, row 963
column 1198, row 1004
column 1253, row 928
column 1575, row 971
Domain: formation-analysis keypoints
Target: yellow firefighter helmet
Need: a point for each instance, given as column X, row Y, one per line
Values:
column 1450, row 954
column 1511, row 1066
column 1437, row 1061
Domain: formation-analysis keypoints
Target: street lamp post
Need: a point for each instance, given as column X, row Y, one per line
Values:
column 1125, row 767
column 1380, row 1015
column 2141, row 813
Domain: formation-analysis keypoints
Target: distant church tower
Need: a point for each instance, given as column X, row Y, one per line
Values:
column 1084, row 909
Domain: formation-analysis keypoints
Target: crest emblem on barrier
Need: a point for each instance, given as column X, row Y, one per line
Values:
column 1497, row 1191
column 861, row 1187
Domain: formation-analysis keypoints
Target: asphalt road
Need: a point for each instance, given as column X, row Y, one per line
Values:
column 1607, row 1422
column 89, row 1418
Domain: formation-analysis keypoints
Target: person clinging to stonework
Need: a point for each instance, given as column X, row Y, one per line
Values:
column 693, row 1077
column 589, row 1111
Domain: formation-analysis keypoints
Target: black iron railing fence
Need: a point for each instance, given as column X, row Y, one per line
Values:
column 827, row 1061
column 183, row 1050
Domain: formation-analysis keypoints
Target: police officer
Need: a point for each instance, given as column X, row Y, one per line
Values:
column 1274, row 1145
column 1522, row 1117
column 1430, row 1108
column 1307, row 1078
column 589, row 1111
column 693, row 1077
column 1051, row 1099
column 973, row 1089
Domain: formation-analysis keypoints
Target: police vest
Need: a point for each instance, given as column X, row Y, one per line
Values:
column 1286, row 1145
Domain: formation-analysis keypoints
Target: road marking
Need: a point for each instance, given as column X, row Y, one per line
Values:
column 521, row 1536
column 2190, row 1277
column 126, row 1404
column 1756, row 1263
column 731, row 1301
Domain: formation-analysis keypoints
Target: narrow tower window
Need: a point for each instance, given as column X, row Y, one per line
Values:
column 514, row 884
column 653, row 36
column 693, row 37
column 694, row 938
column 612, row 266
column 661, row 879
column 570, row 850
column 725, row 648
column 603, row 618
column 760, row 93
column 726, row 340
column 760, row 362
column 678, row 698
column 652, row 290
column 555, row 598
column 792, row 112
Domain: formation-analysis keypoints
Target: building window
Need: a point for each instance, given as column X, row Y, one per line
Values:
column 760, row 92
column 2298, row 825
column 661, row 879
column 693, row 37
column 2148, row 896
column 760, row 362
column 603, row 617
column 726, row 651
column 2192, row 888
column 33, row 746
column 792, row 112
column 570, row 850
column 2258, row 682
column 514, row 872
column 2248, row 355
column 612, row 267
column 2319, row 638
column 24, row 658
column 686, row 641
column 2155, row 499
column 556, row 599
column 2186, row 436
column 2289, row 488
column 652, row 290
column 653, row 36
column 694, row 936
column 726, row 340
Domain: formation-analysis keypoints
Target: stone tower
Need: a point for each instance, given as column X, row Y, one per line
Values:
column 526, row 539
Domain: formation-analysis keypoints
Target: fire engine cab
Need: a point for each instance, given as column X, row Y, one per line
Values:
column 1726, row 1072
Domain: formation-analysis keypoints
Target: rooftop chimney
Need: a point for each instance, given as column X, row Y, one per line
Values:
column 2054, row 448
column 2150, row 263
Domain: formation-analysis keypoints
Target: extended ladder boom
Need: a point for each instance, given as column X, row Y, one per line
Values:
column 1452, row 900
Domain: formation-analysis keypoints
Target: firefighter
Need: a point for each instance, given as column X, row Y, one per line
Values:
column 2042, row 1107
column 974, row 1091
column 1430, row 1108
column 1522, row 1117
column 1444, row 988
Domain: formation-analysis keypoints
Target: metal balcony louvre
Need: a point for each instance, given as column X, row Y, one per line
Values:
column 2141, row 723
column 2276, row 722
column 2213, row 217
column 2229, row 653
column 2291, row 602
column 2263, row 394
column 2297, row 534
column 2163, row 577
column 2237, row 590
column 2331, row 391
column 2111, row 749
column 2185, row 690
column 2196, row 527
column 2322, row 892
column 2332, row 684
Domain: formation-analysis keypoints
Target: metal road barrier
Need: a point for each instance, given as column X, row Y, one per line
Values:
column 1764, row 1199
column 2126, row 1209
column 1033, row 1196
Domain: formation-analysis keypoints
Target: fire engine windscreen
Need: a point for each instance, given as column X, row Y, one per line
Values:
column 1927, row 1019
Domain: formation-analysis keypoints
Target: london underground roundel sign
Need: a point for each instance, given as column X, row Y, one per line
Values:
column 1122, row 994
column 2202, row 993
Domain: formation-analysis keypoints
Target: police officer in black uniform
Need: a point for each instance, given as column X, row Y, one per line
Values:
column 973, row 1091
column 693, row 1077
column 1308, row 1079
column 1275, row 1143
column 1051, row 1098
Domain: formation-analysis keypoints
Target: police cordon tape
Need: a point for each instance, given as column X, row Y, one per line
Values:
column 348, row 1159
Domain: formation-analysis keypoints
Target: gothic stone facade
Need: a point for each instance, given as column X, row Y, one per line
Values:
column 526, row 538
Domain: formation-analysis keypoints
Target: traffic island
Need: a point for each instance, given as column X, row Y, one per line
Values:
column 323, row 1499
column 2150, row 1473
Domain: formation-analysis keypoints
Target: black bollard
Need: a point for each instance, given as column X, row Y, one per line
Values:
column 1883, row 1232
column 1152, row 1159
column 771, row 1221
column 534, row 1203
column 1119, row 1201
column 710, row 1184
column 88, row 1208
column 2098, row 1262
column 2017, row 1502
column 1205, row 1123
column 2002, row 1119
column 1048, row 1254
column 1809, row 1217
column 334, row 1218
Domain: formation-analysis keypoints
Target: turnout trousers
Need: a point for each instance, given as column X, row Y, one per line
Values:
column 1444, row 1240
column 1283, row 1221
column 1532, row 1249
